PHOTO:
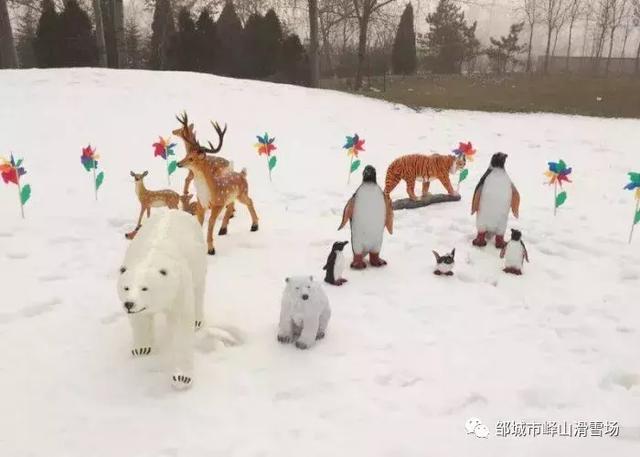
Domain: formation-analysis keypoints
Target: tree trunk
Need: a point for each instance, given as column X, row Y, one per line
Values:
column 118, row 26
column 8, row 54
column 555, row 43
column 548, row 51
column 530, row 47
column 102, row 47
column 638, row 61
column 362, row 50
column 569, row 43
column 606, row 68
column 314, row 57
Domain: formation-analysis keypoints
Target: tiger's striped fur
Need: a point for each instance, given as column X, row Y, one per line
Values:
column 426, row 167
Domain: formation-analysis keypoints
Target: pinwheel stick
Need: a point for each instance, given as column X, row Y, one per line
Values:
column 270, row 180
column 633, row 222
column 555, row 197
column 350, row 171
column 20, row 199
column 95, row 188
column 168, row 174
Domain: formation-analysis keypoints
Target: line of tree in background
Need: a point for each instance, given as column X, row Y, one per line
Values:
column 351, row 38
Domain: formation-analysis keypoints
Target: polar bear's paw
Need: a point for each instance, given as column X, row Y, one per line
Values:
column 301, row 345
column 198, row 325
column 137, row 352
column 320, row 335
column 285, row 339
column 180, row 381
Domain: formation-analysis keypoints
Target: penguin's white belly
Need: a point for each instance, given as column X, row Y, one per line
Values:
column 495, row 201
column 514, row 255
column 339, row 265
column 367, row 222
column 444, row 267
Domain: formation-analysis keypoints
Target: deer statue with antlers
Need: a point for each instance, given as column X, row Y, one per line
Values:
column 151, row 198
column 216, row 187
column 217, row 165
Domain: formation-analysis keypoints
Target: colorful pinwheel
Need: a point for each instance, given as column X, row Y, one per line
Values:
column 354, row 145
column 265, row 146
column 89, row 160
column 465, row 149
column 557, row 173
column 164, row 149
column 634, row 185
column 11, row 171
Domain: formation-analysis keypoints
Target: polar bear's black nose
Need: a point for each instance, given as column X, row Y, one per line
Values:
column 305, row 297
column 128, row 305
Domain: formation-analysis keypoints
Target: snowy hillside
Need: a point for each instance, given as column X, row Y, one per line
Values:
column 408, row 356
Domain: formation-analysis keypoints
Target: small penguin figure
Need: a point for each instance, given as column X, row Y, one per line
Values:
column 444, row 263
column 514, row 254
column 369, row 211
column 494, row 195
column 335, row 264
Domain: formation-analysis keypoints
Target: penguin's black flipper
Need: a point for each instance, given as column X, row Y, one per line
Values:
column 524, row 248
column 475, row 204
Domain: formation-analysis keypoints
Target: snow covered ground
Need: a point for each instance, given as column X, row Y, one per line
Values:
column 408, row 357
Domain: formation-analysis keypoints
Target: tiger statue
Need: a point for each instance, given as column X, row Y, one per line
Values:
column 425, row 168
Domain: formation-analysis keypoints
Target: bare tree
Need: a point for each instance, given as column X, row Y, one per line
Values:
column 573, row 12
column 118, row 26
column 636, row 21
column 314, row 55
column 618, row 10
column 531, row 12
column 8, row 53
column 100, row 41
column 552, row 12
column 364, row 10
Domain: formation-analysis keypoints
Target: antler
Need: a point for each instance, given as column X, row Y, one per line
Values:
column 184, row 121
column 220, row 133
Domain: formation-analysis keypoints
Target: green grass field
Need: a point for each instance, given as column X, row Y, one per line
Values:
column 566, row 94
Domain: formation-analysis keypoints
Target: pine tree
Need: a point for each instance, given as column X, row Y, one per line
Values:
column 182, row 50
column 26, row 34
column 206, row 43
column 450, row 41
column 78, row 41
column 47, row 44
column 503, row 51
column 133, row 43
column 403, row 56
column 229, row 30
column 295, row 63
column 271, row 44
column 162, row 29
column 252, row 36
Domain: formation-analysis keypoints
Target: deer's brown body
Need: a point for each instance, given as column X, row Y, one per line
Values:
column 216, row 187
column 151, row 199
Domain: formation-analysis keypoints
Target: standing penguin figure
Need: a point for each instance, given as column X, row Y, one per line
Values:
column 335, row 264
column 514, row 254
column 369, row 211
column 495, row 194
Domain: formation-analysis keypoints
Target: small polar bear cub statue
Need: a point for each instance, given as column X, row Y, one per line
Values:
column 304, row 312
column 163, row 272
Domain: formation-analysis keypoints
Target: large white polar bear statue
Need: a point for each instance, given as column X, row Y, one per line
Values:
column 304, row 312
column 164, row 271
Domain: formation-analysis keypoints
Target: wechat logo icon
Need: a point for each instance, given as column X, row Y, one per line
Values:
column 476, row 427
